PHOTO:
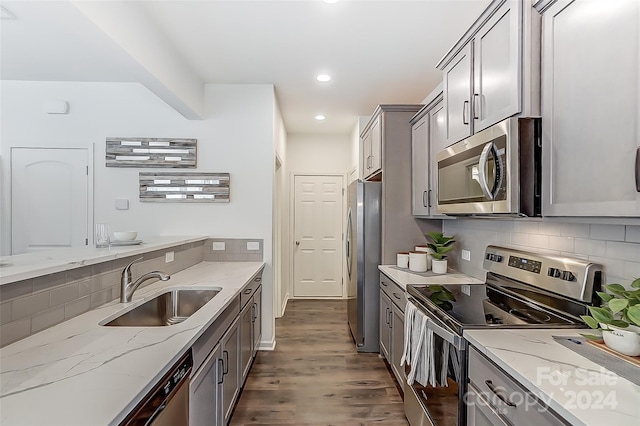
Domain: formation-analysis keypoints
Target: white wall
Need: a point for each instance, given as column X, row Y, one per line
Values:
column 319, row 153
column 236, row 136
column 281, row 216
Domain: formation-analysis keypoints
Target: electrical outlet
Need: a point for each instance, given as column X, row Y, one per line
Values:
column 253, row 245
column 169, row 257
column 466, row 289
column 466, row 255
column 218, row 245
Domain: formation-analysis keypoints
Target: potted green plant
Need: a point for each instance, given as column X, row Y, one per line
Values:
column 439, row 246
column 618, row 318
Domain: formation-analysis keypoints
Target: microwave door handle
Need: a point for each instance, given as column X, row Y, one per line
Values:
column 482, row 170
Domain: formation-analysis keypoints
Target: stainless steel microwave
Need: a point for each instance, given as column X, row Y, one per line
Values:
column 494, row 172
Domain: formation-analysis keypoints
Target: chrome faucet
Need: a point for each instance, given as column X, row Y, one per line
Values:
column 127, row 287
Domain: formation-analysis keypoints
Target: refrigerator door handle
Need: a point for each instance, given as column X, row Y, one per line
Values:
column 347, row 243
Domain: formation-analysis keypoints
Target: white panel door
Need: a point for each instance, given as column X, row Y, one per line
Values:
column 318, row 207
column 49, row 198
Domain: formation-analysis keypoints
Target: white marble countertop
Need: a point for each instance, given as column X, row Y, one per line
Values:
column 80, row 373
column 581, row 391
column 405, row 277
column 31, row 265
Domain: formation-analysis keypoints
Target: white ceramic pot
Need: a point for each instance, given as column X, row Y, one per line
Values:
column 402, row 259
column 439, row 266
column 417, row 261
column 623, row 340
column 427, row 250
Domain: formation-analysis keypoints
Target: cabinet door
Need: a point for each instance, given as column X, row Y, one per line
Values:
column 420, row 166
column 590, row 108
column 397, row 343
column 246, row 339
column 457, row 96
column 376, row 145
column 385, row 325
column 204, row 391
column 230, row 357
column 437, row 143
column 257, row 320
column 497, row 55
column 366, row 154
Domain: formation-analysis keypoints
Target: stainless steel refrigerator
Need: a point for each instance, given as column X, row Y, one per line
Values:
column 363, row 248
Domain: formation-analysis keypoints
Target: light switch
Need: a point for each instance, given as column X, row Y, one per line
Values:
column 122, row 204
column 169, row 257
column 466, row 255
column 218, row 245
column 253, row 245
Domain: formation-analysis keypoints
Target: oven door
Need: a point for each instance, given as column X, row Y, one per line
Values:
column 441, row 404
column 474, row 175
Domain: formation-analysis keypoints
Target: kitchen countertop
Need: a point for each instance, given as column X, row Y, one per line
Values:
column 31, row 265
column 576, row 388
column 80, row 373
column 406, row 277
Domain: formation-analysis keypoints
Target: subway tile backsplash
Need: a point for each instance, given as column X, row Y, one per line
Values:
column 235, row 250
column 616, row 247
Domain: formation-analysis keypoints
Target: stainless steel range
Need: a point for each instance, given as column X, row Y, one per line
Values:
column 522, row 290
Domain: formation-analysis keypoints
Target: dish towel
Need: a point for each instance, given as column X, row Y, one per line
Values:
column 409, row 314
column 418, row 347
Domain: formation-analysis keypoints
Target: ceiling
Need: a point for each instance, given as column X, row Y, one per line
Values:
column 376, row 51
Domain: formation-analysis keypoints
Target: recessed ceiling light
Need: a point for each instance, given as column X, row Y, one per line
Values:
column 323, row 78
column 320, row 117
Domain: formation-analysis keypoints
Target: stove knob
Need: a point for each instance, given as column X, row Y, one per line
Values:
column 554, row 272
column 498, row 258
column 568, row 276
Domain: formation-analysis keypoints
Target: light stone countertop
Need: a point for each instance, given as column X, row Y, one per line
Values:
column 36, row 264
column 582, row 392
column 80, row 373
column 405, row 277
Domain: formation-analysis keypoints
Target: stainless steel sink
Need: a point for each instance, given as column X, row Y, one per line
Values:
column 169, row 308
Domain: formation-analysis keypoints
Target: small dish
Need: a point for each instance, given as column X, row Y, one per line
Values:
column 125, row 243
column 124, row 235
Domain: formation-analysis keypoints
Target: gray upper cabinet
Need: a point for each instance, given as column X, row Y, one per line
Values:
column 591, row 107
column 427, row 138
column 490, row 74
column 372, row 149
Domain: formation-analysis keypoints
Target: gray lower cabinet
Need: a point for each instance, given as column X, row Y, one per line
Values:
column 230, row 347
column 591, row 150
column 246, row 341
column 495, row 399
column 392, row 304
column 205, row 391
column 257, row 320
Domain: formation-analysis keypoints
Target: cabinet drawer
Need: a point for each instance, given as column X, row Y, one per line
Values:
column 506, row 396
column 249, row 289
column 393, row 291
column 205, row 343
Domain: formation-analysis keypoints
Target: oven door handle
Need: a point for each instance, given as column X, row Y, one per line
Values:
column 442, row 332
column 482, row 169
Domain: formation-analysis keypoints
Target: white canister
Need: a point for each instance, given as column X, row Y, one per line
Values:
column 418, row 261
column 402, row 259
column 427, row 250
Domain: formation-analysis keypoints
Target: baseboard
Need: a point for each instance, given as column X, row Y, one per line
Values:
column 267, row 346
column 284, row 306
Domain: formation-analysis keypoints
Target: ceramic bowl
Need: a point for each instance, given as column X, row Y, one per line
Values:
column 624, row 340
column 124, row 235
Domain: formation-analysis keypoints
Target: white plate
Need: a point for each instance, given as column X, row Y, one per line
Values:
column 126, row 243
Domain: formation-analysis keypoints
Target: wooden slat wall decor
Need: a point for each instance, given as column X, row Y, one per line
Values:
column 151, row 152
column 186, row 187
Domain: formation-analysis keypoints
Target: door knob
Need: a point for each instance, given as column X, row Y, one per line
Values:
column 297, row 243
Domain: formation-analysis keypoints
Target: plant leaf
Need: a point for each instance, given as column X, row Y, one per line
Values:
column 601, row 314
column 590, row 321
column 604, row 296
column 615, row 288
column 633, row 313
column 636, row 283
column 620, row 323
column 616, row 305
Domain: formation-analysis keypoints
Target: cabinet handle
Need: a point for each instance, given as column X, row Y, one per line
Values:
column 464, row 112
column 225, row 362
column 425, row 199
column 475, row 106
column 396, row 296
column 383, row 283
column 638, row 169
column 248, row 291
column 495, row 390
column 390, row 315
column 386, row 316
column 253, row 313
column 429, row 197
column 221, row 370
column 258, row 279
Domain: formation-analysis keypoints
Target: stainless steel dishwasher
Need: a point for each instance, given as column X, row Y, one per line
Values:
column 168, row 402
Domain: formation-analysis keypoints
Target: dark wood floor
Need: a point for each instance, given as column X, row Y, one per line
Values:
column 316, row 377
